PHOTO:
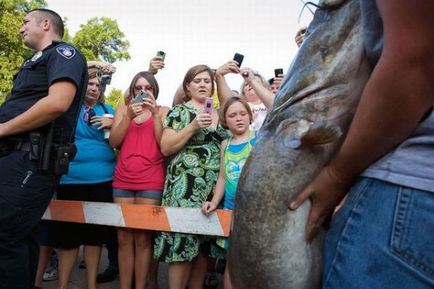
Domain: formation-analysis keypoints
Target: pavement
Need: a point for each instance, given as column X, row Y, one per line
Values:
column 78, row 277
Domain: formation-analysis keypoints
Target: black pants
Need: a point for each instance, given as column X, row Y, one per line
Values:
column 24, row 196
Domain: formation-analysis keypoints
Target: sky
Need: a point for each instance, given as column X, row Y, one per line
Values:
column 195, row 32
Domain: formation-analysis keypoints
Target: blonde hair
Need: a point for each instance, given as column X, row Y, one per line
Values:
column 228, row 103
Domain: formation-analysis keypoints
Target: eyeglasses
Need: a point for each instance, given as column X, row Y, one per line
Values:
column 147, row 87
column 88, row 114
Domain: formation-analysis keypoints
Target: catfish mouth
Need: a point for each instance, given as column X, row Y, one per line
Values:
column 321, row 103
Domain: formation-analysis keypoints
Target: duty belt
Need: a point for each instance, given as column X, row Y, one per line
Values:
column 10, row 145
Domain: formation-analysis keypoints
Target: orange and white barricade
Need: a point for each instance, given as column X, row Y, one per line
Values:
column 168, row 219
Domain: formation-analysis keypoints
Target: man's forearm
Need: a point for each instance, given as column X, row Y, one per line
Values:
column 42, row 112
column 396, row 98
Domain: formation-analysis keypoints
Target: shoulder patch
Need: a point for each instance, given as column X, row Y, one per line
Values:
column 66, row 51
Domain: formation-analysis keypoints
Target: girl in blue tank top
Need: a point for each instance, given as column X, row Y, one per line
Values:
column 236, row 116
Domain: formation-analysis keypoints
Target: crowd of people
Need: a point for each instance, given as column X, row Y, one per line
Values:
column 190, row 156
column 143, row 153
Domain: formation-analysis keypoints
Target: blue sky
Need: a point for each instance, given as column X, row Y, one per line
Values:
column 194, row 32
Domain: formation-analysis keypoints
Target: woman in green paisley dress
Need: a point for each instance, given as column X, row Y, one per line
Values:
column 191, row 138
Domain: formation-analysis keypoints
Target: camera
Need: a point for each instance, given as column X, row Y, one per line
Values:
column 140, row 97
column 161, row 55
column 104, row 80
column 238, row 58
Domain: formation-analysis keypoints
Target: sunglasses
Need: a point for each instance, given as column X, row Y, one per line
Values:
column 147, row 87
column 88, row 114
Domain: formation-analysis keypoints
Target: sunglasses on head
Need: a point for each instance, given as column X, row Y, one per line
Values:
column 147, row 87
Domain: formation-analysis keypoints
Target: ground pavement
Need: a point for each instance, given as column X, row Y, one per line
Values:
column 78, row 278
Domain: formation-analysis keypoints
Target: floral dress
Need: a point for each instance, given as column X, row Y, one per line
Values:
column 190, row 180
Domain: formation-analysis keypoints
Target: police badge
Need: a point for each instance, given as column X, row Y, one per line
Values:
column 66, row 51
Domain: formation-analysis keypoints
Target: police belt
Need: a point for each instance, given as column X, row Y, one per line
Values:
column 14, row 144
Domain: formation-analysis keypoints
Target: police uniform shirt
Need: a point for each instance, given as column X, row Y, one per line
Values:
column 58, row 61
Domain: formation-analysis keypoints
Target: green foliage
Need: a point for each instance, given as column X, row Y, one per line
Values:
column 114, row 97
column 12, row 50
column 98, row 39
column 101, row 39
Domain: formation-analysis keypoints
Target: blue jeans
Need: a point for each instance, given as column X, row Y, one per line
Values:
column 383, row 237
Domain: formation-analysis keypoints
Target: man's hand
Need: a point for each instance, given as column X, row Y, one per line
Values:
column 326, row 191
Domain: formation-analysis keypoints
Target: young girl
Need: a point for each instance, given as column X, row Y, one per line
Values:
column 236, row 116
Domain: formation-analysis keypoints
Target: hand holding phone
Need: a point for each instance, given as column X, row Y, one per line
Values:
column 161, row 55
column 278, row 71
column 238, row 58
column 208, row 105
column 140, row 97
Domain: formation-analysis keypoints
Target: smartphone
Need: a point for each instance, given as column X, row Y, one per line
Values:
column 161, row 55
column 278, row 71
column 208, row 105
column 239, row 58
column 140, row 97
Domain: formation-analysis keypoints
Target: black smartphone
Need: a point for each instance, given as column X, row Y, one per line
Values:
column 161, row 55
column 278, row 71
column 140, row 97
column 239, row 58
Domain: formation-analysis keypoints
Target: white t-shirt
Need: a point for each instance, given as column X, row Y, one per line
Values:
column 259, row 112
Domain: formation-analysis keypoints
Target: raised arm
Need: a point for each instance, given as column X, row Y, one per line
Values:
column 223, row 89
column 173, row 141
column 263, row 93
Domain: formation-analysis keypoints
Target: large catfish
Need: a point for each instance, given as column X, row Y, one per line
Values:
column 305, row 127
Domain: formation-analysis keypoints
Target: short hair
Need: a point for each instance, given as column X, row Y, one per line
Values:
column 93, row 72
column 150, row 78
column 231, row 100
column 55, row 19
column 191, row 74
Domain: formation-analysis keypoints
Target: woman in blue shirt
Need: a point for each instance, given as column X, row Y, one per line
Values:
column 89, row 179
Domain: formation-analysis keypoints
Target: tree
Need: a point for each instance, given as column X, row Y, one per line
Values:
column 101, row 39
column 114, row 97
column 12, row 50
column 98, row 39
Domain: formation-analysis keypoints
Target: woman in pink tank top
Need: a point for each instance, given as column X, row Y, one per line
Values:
column 140, row 172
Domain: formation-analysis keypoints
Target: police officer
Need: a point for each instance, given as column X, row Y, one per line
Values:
column 44, row 102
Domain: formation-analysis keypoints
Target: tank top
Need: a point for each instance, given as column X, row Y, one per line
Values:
column 234, row 159
column 141, row 163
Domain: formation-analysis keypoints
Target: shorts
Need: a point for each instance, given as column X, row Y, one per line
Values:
column 146, row 194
